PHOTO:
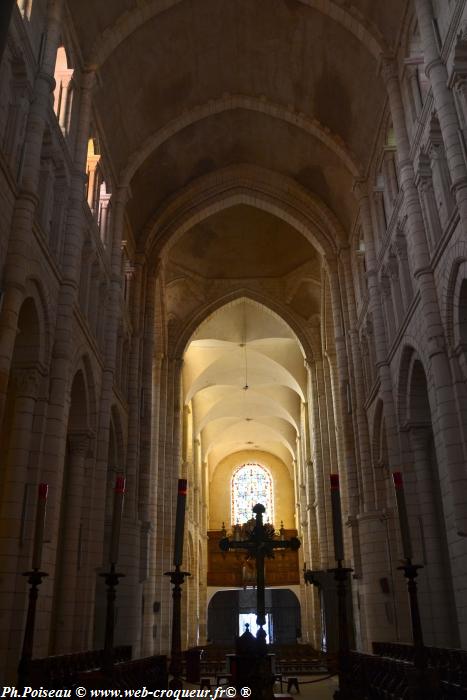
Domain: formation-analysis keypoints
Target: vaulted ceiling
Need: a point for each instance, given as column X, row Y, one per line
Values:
column 245, row 377
column 240, row 126
column 289, row 85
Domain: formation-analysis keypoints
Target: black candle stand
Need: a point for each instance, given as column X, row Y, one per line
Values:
column 112, row 579
column 34, row 579
column 177, row 578
column 345, row 690
column 423, row 681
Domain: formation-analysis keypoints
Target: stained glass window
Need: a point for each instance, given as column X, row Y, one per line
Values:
column 251, row 484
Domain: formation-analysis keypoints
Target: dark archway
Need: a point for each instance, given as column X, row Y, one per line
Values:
column 226, row 607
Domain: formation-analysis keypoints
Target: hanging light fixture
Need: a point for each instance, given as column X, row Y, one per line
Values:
column 246, row 387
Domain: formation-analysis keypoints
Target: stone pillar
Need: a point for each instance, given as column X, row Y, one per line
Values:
column 449, row 445
column 18, row 264
column 424, row 182
column 366, row 471
column 14, row 555
column 440, row 625
column 321, row 472
column 405, row 274
column 68, row 617
column 347, row 465
column 445, row 105
column 386, row 385
column 372, row 535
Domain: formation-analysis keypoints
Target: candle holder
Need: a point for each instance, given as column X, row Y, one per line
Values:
column 112, row 579
column 423, row 681
column 34, row 579
column 345, row 690
column 177, row 578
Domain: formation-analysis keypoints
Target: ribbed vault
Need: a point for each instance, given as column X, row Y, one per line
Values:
column 244, row 379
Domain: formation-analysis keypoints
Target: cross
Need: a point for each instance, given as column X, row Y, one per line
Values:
column 260, row 545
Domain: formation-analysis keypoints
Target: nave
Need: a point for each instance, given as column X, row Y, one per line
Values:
column 233, row 251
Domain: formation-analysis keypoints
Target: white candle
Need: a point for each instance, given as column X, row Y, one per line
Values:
column 403, row 516
column 337, row 518
column 40, row 524
column 119, row 495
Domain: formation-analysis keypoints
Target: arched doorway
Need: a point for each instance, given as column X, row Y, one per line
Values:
column 230, row 611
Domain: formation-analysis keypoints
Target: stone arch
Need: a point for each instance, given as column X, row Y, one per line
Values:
column 19, row 471
column 423, row 476
column 130, row 21
column 181, row 342
column 115, row 465
column 410, row 360
column 24, row 383
column 256, row 187
column 247, row 102
column 68, row 624
column 455, row 303
column 83, row 364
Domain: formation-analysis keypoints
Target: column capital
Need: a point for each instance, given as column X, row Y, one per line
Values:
column 360, row 188
column 26, row 381
column 419, row 436
column 388, row 68
column 80, row 442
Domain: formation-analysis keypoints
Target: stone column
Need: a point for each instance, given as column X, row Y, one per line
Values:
column 445, row 105
column 15, row 548
column 63, row 352
column 68, row 619
column 366, row 471
column 405, row 273
column 147, row 486
column 347, row 465
column 319, row 432
column 374, row 550
column 445, row 417
column 167, row 490
column 130, row 588
column 436, row 596
column 18, row 264
column 424, row 182
column 386, row 385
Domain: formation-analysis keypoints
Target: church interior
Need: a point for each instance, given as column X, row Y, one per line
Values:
column 233, row 250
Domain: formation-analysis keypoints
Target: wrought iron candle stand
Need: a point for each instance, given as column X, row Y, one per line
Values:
column 424, row 681
column 34, row 579
column 345, row 690
column 177, row 578
column 112, row 579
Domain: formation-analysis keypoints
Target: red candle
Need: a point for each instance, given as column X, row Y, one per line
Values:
column 403, row 516
column 180, row 522
column 43, row 491
column 337, row 518
column 119, row 495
